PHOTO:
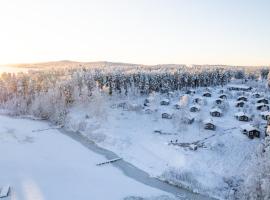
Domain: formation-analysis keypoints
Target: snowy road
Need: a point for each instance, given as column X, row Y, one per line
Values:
column 49, row 165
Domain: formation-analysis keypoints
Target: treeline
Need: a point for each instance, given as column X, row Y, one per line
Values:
column 49, row 93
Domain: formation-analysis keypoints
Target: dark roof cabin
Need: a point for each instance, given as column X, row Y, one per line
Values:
column 190, row 92
column 262, row 106
column 207, row 94
column 165, row 102
column 242, row 98
column 209, row 125
column 240, row 104
column 262, row 100
column 194, row 108
column 265, row 115
column 223, row 96
column 250, row 131
column 219, row 101
column 241, row 116
column 216, row 112
column 166, row 116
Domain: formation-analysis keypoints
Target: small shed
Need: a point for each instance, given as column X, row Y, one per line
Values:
column 242, row 98
column 241, row 116
column 215, row 112
column 262, row 106
column 165, row 102
column 262, row 100
column 240, row 104
column 219, row 101
column 209, row 124
column 194, row 108
column 223, row 96
column 207, row 94
column 166, row 116
column 265, row 115
column 250, row 131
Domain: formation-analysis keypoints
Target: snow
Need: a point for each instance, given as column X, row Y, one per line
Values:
column 48, row 165
column 248, row 127
column 132, row 135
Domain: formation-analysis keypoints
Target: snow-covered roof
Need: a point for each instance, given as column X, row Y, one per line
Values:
column 238, row 114
column 248, row 127
column 215, row 110
column 265, row 113
column 238, row 86
column 240, row 101
column 260, row 104
column 262, row 98
column 208, row 121
column 220, row 99
column 195, row 106
column 242, row 97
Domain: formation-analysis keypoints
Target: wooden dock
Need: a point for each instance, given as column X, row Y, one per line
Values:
column 109, row 161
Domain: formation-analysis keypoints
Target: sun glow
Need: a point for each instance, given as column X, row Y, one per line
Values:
column 135, row 31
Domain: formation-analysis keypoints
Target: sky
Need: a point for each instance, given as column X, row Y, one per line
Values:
column 232, row 32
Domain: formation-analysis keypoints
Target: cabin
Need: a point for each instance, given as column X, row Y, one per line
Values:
column 256, row 95
column 240, row 104
column 241, row 116
column 197, row 100
column 265, row 115
column 250, row 131
column 262, row 106
column 194, row 108
column 207, row 94
column 239, row 87
column 262, row 100
column 223, row 96
column 209, row 125
column 219, row 101
column 166, row 116
column 242, row 98
column 165, row 102
column 190, row 92
column 215, row 112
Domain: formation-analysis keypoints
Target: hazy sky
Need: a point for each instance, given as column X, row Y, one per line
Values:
column 136, row 31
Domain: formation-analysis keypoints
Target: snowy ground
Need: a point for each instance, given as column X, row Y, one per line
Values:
column 213, row 169
column 48, row 165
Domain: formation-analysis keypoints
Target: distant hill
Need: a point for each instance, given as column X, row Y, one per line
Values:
column 68, row 63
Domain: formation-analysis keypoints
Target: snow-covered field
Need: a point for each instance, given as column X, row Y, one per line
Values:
column 41, row 165
column 126, row 128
